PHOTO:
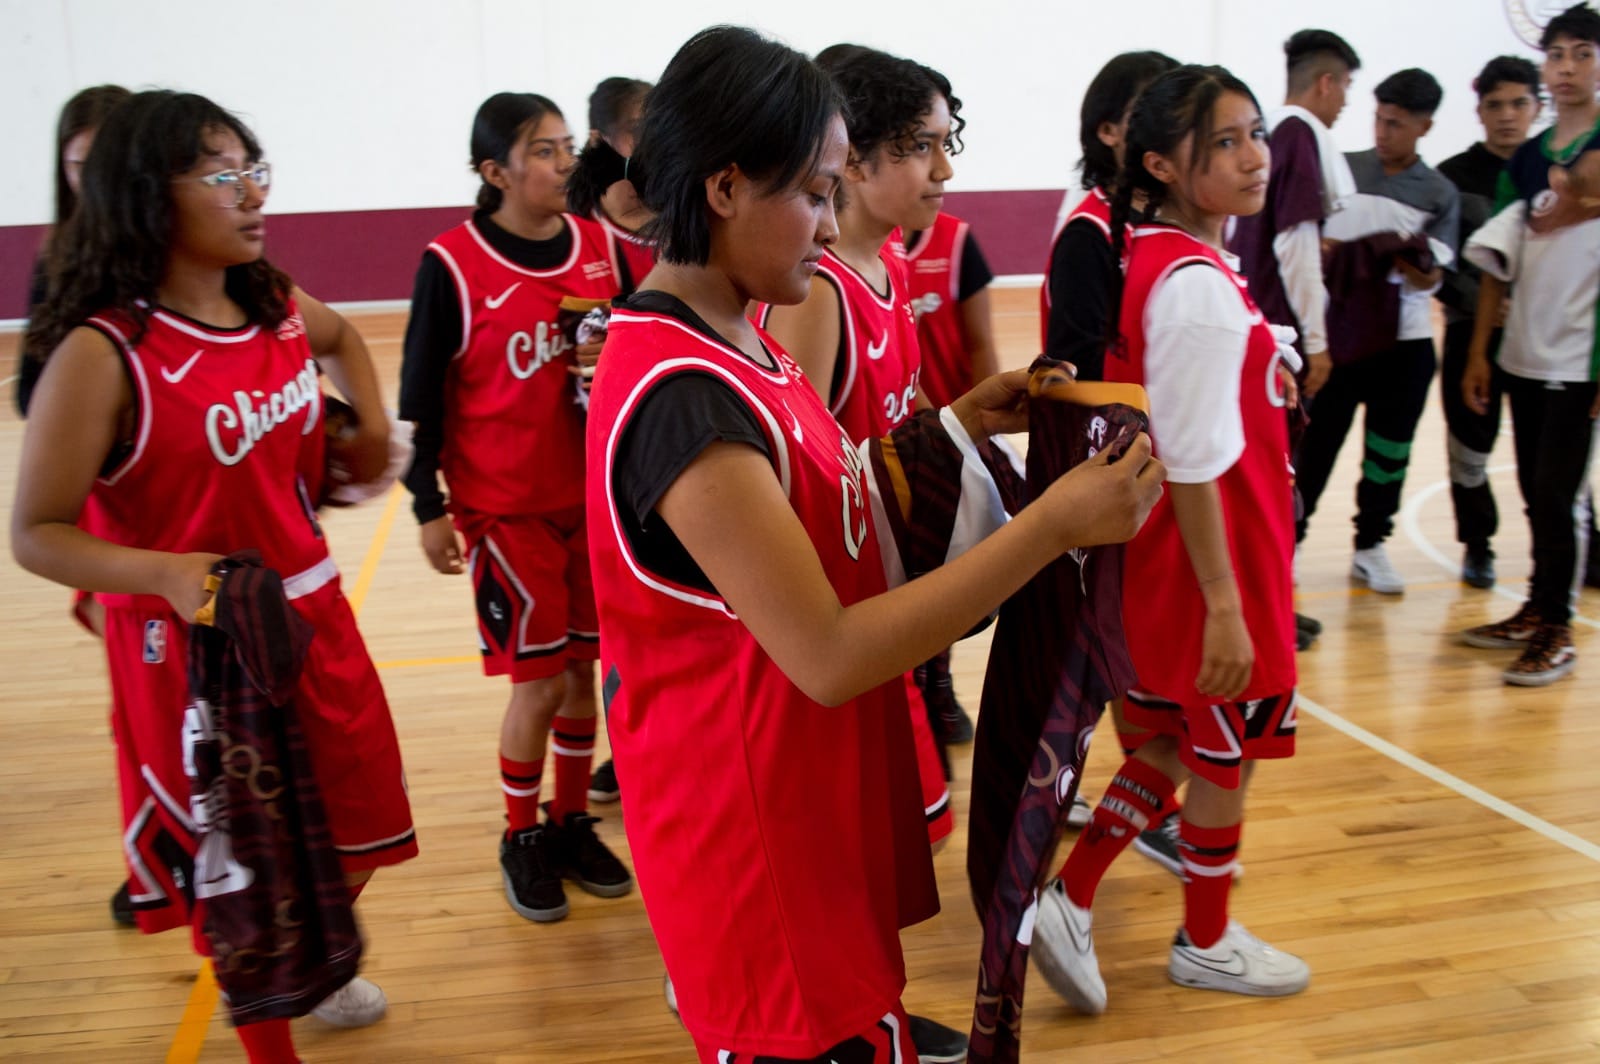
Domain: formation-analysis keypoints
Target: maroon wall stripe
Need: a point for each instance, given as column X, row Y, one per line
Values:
column 362, row 255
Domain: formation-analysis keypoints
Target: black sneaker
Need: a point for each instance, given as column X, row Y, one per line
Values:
column 532, row 875
column 584, row 859
column 1310, row 625
column 1304, row 640
column 603, row 783
column 954, row 726
column 122, row 907
column 1477, row 567
column 1159, row 842
column 936, row 1043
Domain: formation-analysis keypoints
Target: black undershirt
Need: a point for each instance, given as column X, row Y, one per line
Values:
column 676, row 422
column 433, row 336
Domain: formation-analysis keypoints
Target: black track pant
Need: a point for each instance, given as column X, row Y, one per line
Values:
column 1471, row 438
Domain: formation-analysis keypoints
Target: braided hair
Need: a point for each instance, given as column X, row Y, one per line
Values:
column 1175, row 106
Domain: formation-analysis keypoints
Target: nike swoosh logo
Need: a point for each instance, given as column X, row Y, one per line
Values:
column 183, row 371
column 1235, row 965
column 875, row 352
column 494, row 302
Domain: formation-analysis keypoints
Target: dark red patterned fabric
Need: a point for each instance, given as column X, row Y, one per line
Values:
column 273, row 903
column 1057, row 658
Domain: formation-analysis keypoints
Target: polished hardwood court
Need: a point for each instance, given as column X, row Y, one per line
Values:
column 1432, row 851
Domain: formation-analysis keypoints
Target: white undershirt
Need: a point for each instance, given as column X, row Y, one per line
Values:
column 1196, row 331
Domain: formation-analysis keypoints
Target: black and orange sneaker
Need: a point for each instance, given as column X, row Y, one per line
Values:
column 1548, row 656
column 1513, row 633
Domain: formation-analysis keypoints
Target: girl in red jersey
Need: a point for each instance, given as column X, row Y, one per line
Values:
column 163, row 319
column 1207, row 586
column 754, row 698
column 855, row 336
column 598, row 187
column 488, row 379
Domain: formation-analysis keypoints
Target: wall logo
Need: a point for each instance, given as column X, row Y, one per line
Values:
column 1528, row 18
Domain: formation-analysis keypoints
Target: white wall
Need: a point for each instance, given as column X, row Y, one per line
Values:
column 366, row 105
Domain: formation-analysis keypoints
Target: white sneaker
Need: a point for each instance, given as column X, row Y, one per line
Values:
column 356, row 1004
column 1373, row 568
column 1063, row 949
column 671, row 993
column 1239, row 963
column 1078, row 816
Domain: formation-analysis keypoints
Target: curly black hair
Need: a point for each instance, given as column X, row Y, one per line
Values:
column 886, row 98
column 113, row 252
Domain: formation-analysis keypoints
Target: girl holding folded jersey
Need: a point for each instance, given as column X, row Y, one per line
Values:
column 160, row 314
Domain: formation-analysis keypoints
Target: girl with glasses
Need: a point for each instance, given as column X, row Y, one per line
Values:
column 148, row 458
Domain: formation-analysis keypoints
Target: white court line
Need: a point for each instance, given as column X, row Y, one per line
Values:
column 1581, row 846
column 8, row 380
column 1408, row 521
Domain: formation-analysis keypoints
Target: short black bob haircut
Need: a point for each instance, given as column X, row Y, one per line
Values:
column 730, row 96
column 1412, row 90
column 1581, row 22
column 1506, row 70
column 1108, row 99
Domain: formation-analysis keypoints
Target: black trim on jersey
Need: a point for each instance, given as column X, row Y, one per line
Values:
column 220, row 330
column 121, row 450
column 433, row 336
column 680, row 417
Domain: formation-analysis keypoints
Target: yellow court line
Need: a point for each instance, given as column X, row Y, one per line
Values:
column 369, row 565
column 191, row 1034
column 190, row 1037
column 416, row 663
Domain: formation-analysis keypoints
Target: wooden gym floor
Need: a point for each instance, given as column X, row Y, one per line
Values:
column 1433, row 850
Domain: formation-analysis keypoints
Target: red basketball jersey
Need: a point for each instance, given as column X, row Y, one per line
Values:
column 513, row 428
column 878, row 351
column 934, row 266
column 639, row 253
column 229, row 432
column 1162, row 604
column 779, row 843
column 1094, row 208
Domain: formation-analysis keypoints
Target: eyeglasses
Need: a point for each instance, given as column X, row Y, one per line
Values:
column 229, row 185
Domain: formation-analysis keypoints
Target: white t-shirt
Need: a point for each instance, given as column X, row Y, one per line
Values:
column 1196, row 330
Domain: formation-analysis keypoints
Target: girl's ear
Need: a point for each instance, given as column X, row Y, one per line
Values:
column 493, row 173
column 721, row 188
column 1160, row 168
column 855, row 168
column 1110, row 134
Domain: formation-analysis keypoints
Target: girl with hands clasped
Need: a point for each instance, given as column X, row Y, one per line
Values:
column 1207, row 582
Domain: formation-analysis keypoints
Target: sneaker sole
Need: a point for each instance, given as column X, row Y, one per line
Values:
column 1203, row 980
column 604, row 797
column 1376, row 589
column 1538, row 679
column 538, row 916
column 1055, row 975
column 602, row 890
column 1490, row 642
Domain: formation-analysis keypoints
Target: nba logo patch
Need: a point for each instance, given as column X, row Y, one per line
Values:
column 155, row 642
